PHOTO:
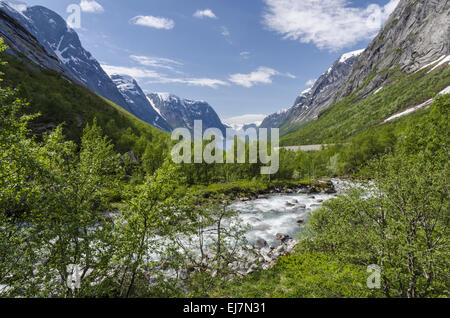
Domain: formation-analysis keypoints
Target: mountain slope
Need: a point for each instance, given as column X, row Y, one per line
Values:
column 54, row 33
column 275, row 120
column 62, row 102
column 61, row 41
column 181, row 113
column 351, row 115
column 22, row 42
column 138, row 102
column 404, row 66
column 416, row 34
column 311, row 102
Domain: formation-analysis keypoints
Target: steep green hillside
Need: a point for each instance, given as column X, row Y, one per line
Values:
column 352, row 116
column 60, row 101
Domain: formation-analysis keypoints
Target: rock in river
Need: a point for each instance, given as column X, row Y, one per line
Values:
column 283, row 237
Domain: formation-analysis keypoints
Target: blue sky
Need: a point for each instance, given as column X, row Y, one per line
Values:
column 243, row 57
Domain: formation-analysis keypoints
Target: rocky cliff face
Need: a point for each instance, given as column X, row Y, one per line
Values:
column 416, row 34
column 21, row 42
column 61, row 43
column 274, row 120
column 181, row 113
column 54, row 33
column 138, row 102
column 311, row 102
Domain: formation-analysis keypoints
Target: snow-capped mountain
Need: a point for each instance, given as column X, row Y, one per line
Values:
column 138, row 102
column 274, row 120
column 320, row 96
column 44, row 37
column 62, row 42
column 181, row 113
column 21, row 42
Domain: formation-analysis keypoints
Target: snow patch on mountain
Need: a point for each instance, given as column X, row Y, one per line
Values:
column 445, row 91
column 345, row 57
column 156, row 109
column 165, row 97
column 442, row 62
column 17, row 5
column 409, row 111
column 306, row 91
column 416, row 108
column 138, row 103
column 181, row 113
column 429, row 64
column 238, row 123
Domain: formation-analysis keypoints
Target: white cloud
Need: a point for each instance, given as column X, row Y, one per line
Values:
column 245, row 55
column 225, row 32
column 310, row 83
column 203, row 82
column 158, row 62
column 155, row 77
column 91, row 6
column 238, row 122
column 263, row 75
column 207, row 13
column 137, row 73
column 330, row 24
column 290, row 75
column 153, row 22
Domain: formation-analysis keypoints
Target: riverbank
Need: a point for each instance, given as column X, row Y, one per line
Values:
column 251, row 190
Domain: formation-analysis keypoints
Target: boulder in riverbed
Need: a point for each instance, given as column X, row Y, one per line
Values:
column 261, row 243
column 313, row 190
column 283, row 237
column 280, row 250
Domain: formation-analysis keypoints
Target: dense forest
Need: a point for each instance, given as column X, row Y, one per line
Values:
column 102, row 192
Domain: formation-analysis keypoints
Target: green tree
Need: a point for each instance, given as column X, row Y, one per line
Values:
column 400, row 220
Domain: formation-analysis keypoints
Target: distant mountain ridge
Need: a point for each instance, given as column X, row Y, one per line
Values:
column 312, row 101
column 44, row 37
column 138, row 103
column 181, row 113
